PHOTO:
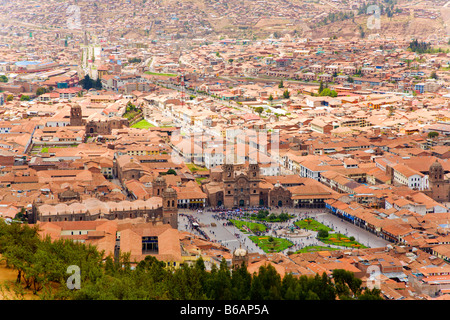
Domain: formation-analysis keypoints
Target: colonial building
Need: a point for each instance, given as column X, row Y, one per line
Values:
column 235, row 186
column 238, row 186
column 105, row 125
column 160, row 209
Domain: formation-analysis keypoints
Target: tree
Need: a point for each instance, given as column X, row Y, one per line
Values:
column 259, row 110
column 98, row 84
column 433, row 134
column 18, row 244
column 24, row 98
column 3, row 78
column 347, row 286
column 21, row 215
column 368, row 294
column 266, row 285
column 9, row 97
column 171, row 171
column 320, row 87
column 419, row 47
column 240, row 283
column 329, row 93
column 391, row 111
column 433, row 75
column 281, row 85
column 322, row 233
column 86, row 82
column 41, row 90
column 286, row 94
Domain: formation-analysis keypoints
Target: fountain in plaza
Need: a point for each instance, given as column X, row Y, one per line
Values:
column 292, row 232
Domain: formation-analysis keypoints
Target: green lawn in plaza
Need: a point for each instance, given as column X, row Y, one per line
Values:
column 311, row 224
column 270, row 244
column 194, row 168
column 143, row 124
column 315, row 249
column 160, row 74
column 247, row 227
column 341, row 240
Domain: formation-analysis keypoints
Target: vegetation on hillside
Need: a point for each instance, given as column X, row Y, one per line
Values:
column 42, row 266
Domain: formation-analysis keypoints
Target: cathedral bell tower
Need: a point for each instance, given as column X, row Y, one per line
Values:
column 159, row 185
column 170, row 207
column 76, row 117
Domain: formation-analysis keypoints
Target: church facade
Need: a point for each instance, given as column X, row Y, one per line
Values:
column 237, row 186
column 96, row 124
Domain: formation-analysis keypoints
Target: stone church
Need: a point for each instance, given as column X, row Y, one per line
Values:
column 233, row 186
column 96, row 124
column 439, row 187
column 161, row 208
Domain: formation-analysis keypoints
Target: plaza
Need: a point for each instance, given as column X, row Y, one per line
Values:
column 216, row 227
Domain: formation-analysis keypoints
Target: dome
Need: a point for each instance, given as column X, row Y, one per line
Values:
column 160, row 179
column 436, row 165
column 240, row 252
column 169, row 190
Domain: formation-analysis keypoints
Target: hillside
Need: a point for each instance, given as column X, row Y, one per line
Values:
column 399, row 27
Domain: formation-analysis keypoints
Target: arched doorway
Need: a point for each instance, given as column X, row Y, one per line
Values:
column 280, row 203
column 241, row 203
column 219, row 203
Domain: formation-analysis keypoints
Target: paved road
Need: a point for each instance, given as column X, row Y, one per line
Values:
column 233, row 238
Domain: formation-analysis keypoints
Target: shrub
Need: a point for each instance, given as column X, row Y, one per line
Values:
column 322, row 233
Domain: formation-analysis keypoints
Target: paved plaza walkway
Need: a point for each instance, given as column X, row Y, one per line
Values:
column 228, row 235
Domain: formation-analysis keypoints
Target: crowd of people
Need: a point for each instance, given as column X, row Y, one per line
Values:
column 193, row 225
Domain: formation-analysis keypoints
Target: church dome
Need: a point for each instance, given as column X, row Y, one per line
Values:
column 170, row 190
column 240, row 252
column 160, row 179
column 436, row 165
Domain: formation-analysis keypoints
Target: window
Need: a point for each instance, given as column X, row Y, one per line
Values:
column 149, row 245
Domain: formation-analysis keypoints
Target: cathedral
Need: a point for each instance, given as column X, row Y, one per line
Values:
column 96, row 124
column 233, row 186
